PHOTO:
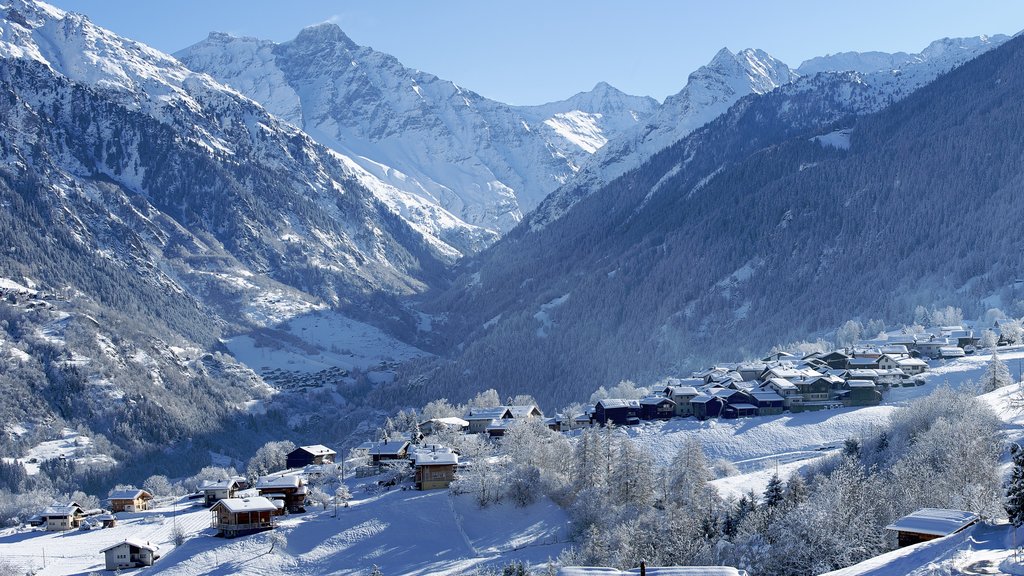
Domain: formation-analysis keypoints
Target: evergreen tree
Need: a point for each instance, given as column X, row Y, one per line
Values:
column 996, row 376
column 1014, row 504
column 773, row 494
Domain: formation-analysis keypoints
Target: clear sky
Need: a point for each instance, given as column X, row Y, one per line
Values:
column 536, row 51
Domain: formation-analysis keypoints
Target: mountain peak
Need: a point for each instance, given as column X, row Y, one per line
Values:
column 324, row 33
column 723, row 56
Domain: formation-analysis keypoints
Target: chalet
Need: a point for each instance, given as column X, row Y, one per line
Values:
column 752, row 370
column 435, row 468
column 860, row 393
column 681, row 395
column 520, row 412
column 657, row 408
column 965, row 338
column 784, row 388
column 556, row 422
column 836, row 360
column 582, row 420
column 930, row 523
column 815, row 389
column 480, row 418
column 738, row 403
column 863, row 362
column 305, row 455
column 129, row 500
column 931, row 348
column 98, row 521
column 622, row 412
column 895, row 350
column 789, row 373
column 130, row 554
column 912, row 366
column 221, row 489
column 60, row 517
column 435, row 425
column 769, row 403
column 393, row 450
column 707, row 406
column 739, row 410
column 237, row 516
column 497, row 428
column 290, row 489
column 888, row 361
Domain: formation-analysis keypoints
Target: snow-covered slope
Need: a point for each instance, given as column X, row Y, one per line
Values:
column 485, row 162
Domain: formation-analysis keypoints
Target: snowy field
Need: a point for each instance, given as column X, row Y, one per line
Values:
column 71, row 446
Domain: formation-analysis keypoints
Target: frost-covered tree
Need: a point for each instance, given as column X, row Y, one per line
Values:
column 159, row 485
column 440, row 408
column 773, row 493
column 688, row 474
column 486, row 399
column 948, row 316
column 997, row 375
column 270, row 457
column 988, row 339
column 1012, row 331
column 849, row 333
column 1014, row 504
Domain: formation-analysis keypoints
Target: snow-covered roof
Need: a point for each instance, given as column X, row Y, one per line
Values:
column 862, row 361
column 655, row 400
column 934, row 521
column 860, row 384
column 652, row 571
column 286, row 481
column 450, row 421
column 743, row 406
column 951, row 351
column 390, row 448
column 435, row 457
column 681, row 391
column 912, row 362
column 702, row 399
column 257, row 504
column 489, row 413
column 862, row 373
column 317, row 450
column 782, row 384
column 129, row 494
column 226, row 484
column 135, row 543
column 895, row 349
column 523, row 411
column 62, row 510
column 766, row 396
column 610, row 403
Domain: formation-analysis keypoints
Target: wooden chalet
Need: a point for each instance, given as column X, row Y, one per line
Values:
column 657, row 408
column 860, row 393
column 618, row 411
column 707, row 406
column 306, row 455
column 289, row 489
column 129, row 500
column 435, row 467
column 435, row 425
column 237, row 516
column 480, row 418
column 835, row 360
column 59, row 517
column 131, row 553
column 930, row 523
column 769, row 403
column 221, row 489
column 682, row 394
column 393, row 450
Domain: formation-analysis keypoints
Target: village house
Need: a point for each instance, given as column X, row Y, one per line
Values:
column 947, row 352
column 306, row 455
column 129, row 500
column 237, row 516
column 930, row 348
column 385, row 451
column 480, row 418
column 860, row 393
column 221, row 489
column 657, row 408
column 769, row 403
column 618, row 411
column 60, row 517
column 681, row 395
column 435, row 467
column 290, row 489
column 435, row 425
column 786, row 389
column 912, row 366
column 130, row 554
column 707, row 406
column 835, row 360
column 930, row 523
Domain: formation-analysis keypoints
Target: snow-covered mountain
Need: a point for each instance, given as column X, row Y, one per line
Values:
column 713, row 88
column 486, row 162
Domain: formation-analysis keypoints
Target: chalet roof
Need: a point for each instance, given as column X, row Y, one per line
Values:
column 725, row 392
column 895, row 349
column 834, row 355
column 862, row 374
column 489, row 413
column 681, row 390
column 435, row 458
column 280, row 481
column 524, row 411
column 612, row 403
column 951, row 350
column 129, row 494
column 62, row 510
column 449, row 421
column 703, row 399
column 392, row 448
column 225, row 484
column 934, row 521
column 912, row 362
column 782, row 383
column 766, row 396
column 315, row 450
column 743, row 406
column 134, row 543
column 861, row 361
column 655, row 400
column 860, row 384
column 793, row 373
column 255, row 504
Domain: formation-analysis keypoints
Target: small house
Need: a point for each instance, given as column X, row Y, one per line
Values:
column 930, row 523
column 129, row 500
column 393, row 450
column 947, row 352
column 836, row 360
column 863, row 362
column 237, row 516
column 619, row 411
column 221, row 489
column 527, row 411
column 306, row 455
column 58, row 517
column 480, row 418
column 435, row 468
column 681, row 395
column 435, row 425
column 706, row 406
column 861, row 393
column 290, row 489
column 657, row 408
column 768, row 402
column 912, row 366
column 130, row 554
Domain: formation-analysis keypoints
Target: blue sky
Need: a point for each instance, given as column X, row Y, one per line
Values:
column 535, row 51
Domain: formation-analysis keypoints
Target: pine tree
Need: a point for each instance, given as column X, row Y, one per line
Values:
column 996, row 376
column 773, row 494
column 1015, row 490
column 376, row 571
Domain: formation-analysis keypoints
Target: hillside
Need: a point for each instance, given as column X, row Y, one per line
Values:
column 781, row 219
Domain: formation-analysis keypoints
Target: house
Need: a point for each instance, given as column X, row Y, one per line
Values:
column 947, row 352
column 619, row 411
column 582, row 421
column 435, row 468
column 862, row 362
column 221, row 489
column 237, row 516
column 657, row 408
column 739, row 410
column 290, row 489
column 707, row 406
column 60, row 517
column 912, row 366
column 681, row 395
column 784, row 388
column 393, row 450
column 435, row 425
column 930, row 523
column 890, row 361
column 769, row 403
column 480, row 418
column 131, row 553
column 529, row 411
column 305, row 455
column 836, row 360
column 930, row 348
column 129, row 500
column 861, row 393
column 815, row 389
